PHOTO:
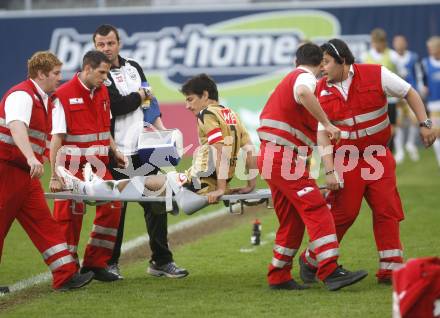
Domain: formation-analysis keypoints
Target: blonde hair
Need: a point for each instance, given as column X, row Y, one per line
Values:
column 378, row 35
column 43, row 61
column 434, row 41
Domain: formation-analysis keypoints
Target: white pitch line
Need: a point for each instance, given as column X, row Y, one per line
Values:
column 126, row 247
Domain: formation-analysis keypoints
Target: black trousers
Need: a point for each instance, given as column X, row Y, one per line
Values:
column 156, row 221
column 392, row 115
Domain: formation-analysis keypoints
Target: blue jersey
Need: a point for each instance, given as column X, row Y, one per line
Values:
column 432, row 75
column 410, row 66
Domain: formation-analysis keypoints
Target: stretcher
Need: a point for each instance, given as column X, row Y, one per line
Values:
column 256, row 197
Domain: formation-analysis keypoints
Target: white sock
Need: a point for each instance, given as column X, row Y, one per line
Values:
column 436, row 147
column 99, row 187
column 398, row 140
column 413, row 132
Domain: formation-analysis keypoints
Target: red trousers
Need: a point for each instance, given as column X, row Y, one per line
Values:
column 299, row 205
column 417, row 289
column 382, row 196
column 99, row 249
column 22, row 198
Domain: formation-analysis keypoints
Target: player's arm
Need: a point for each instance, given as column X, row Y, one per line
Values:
column 221, row 169
column 250, row 166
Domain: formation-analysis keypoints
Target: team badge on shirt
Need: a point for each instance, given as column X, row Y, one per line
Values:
column 132, row 73
column 76, row 101
column 228, row 116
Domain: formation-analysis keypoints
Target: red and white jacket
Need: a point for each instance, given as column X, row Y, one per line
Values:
column 87, row 122
column 284, row 121
column 38, row 130
column 417, row 289
column 363, row 117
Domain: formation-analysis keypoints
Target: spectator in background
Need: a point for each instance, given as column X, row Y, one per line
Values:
column 127, row 95
column 431, row 71
column 408, row 68
column 379, row 53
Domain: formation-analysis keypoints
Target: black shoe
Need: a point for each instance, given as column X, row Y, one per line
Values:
column 385, row 281
column 307, row 274
column 77, row 281
column 4, row 289
column 341, row 278
column 170, row 270
column 101, row 274
column 289, row 285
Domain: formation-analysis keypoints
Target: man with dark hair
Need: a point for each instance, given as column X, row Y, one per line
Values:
column 129, row 116
column 354, row 98
column 198, row 85
column 218, row 128
column 24, row 126
column 81, row 134
column 289, row 122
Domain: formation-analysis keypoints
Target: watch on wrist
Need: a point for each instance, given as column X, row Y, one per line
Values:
column 427, row 123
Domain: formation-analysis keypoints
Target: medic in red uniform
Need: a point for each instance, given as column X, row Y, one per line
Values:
column 81, row 134
column 288, row 125
column 24, row 126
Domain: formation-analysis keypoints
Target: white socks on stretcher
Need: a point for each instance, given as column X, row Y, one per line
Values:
column 93, row 185
column 188, row 201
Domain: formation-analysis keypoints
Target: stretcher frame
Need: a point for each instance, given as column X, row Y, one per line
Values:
column 253, row 198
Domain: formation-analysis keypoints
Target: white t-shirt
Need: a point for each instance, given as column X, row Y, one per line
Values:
column 392, row 85
column 58, row 118
column 307, row 79
column 18, row 105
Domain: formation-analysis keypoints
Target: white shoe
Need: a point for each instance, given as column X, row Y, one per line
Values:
column 413, row 152
column 399, row 156
column 70, row 181
column 88, row 174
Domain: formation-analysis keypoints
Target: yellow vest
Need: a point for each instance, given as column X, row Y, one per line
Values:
column 385, row 60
